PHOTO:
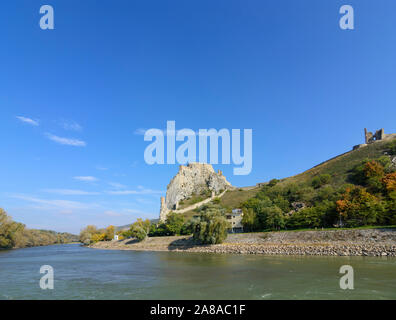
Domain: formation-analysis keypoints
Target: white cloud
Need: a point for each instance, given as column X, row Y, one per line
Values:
column 117, row 185
column 71, row 125
column 70, row 192
column 86, row 178
column 112, row 213
column 141, row 190
column 140, row 131
column 135, row 211
column 55, row 204
column 28, row 120
column 101, row 168
column 66, row 141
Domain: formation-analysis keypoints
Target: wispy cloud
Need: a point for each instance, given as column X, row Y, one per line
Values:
column 86, row 178
column 70, row 192
column 140, row 212
column 112, row 213
column 28, row 120
column 117, row 185
column 54, row 204
column 71, row 125
column 140, row 131
column 101, row 168
column 140, row 190
column 66, row 141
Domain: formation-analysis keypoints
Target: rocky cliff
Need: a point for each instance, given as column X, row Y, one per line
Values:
column 195, row 178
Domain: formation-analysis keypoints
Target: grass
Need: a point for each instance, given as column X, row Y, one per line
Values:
column 340, row 166
column 234, row 198
column 230, row 200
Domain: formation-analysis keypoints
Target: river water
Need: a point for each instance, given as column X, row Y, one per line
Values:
column 84, row 273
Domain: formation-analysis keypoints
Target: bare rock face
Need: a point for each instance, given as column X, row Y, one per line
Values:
column 194, row 178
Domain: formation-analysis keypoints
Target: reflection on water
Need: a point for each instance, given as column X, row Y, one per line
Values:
column 83, row 273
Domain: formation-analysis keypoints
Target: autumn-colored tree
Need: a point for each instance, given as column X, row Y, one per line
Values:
column 87, row 234
column 373, row 169
column 389, row 182
column 359, row 207
column 98, row 237
column 109, row 233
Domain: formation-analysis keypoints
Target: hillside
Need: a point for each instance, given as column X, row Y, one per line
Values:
column 340, row 167
column 312, row 198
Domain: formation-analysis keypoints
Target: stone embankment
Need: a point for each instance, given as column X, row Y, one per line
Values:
column 369, row 242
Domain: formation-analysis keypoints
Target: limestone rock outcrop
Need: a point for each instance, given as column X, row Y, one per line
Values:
column 195, row 178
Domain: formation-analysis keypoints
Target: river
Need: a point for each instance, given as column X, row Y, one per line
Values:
column 85, row 273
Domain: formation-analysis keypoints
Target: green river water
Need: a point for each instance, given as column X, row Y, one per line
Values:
column 84, row 273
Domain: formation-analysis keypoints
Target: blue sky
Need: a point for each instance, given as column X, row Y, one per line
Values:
column 73, row 100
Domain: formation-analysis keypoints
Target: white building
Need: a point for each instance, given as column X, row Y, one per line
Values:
column 235, row 219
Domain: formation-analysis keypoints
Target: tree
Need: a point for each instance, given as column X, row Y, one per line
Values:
column 369, row 174
column 8, row 230
column 389, row 182
column 212, row 226
column 87, row 234
column 189, row 227
column 109, row 233
column 174, row 222
column 139, row 230
column 358, row 207
column 275, row 218
column 249, row 220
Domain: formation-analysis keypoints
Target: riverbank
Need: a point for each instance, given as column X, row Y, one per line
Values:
column 354, row 242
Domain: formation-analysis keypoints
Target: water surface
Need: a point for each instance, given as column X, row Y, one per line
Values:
column 84, row 273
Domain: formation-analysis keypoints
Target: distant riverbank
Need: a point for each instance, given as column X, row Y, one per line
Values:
column 354, row 242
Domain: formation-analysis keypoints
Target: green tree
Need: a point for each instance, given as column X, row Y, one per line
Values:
column 8, row 230
column 174, row 222
column 212, row 226
column 139, row 230
column 249, row 220
column 275, row 218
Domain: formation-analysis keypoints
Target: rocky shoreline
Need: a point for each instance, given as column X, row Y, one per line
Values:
column 367, row 242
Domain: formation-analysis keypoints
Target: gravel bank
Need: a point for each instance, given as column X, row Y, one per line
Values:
column 371, row 242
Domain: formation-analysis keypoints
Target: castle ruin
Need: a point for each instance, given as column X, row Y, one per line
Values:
column 370, row 137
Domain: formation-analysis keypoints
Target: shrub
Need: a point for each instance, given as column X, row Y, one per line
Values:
column 174, row 222
column 189, row 227
column 273, row 182
column 158, row 230
column 139, row 229
column 320, row 180
column 391, row 147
